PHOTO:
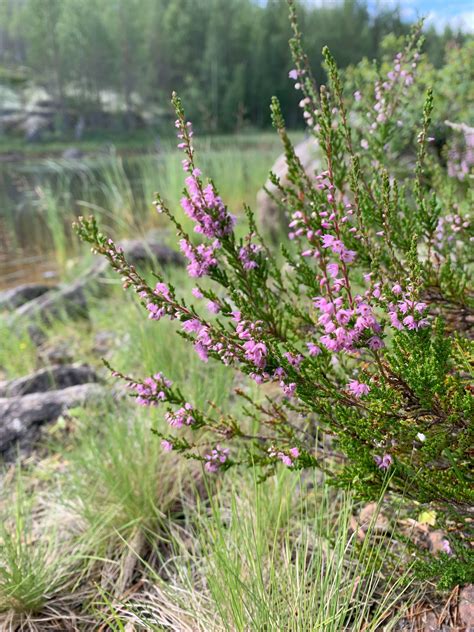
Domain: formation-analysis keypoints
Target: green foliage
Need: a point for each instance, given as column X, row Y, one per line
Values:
column 226, row 57
column 449, row 571
column 33, row 564
column 375, row 366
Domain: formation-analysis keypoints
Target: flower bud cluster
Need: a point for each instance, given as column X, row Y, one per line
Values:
column 288, row 457
column 181, row 417
column 216, row 459
column 152, row 390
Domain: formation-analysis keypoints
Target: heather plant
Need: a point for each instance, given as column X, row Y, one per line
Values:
column 360, row 341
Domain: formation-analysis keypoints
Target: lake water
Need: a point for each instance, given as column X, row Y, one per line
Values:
column 39, row 199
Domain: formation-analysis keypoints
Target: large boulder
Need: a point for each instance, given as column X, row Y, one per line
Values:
column 18, row 296
column 145, row 251
column 69, row 300
column 272, row 218
column 21, row 417
column 48, row 379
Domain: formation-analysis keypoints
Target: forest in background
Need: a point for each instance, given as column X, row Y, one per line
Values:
column 226, row 58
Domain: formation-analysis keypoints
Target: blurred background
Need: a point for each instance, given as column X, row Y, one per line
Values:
column 85, row 117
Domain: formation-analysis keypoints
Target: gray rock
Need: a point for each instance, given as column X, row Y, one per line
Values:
column 69, row 301
column 18, row 296
column 48, row 379
column 72, row 153
column 269, row 214
column 20, row 417
column 142, row 252
column 54, row 353
column 466, row 606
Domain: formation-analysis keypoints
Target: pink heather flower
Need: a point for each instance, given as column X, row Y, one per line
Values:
column 293, row 74
column 155, row 312
column 213, row 307
column 333, row 269
column 294, row 360
column 150, row 392
column 180, row 417
column 375, row 343
column 446, row 547
column 201, row 259
column 348, row 256
column 166, row 445
column 216, row 458
column 202, row 351
column 364, row 143
column 410, row 322
column 358, row 389
column 328, row 241
column 206, row 208
column 343, row 316
column 397, row 289
column 313, row 349
column 288, row 389
column 286, row 459
column 357, row 95
column 161, row 289
column 256, row 352
column 395, row 322
column 383, row 462
column 191, row 325
column 196, row 292
column 248, row 255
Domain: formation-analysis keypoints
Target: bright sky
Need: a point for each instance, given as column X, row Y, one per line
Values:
column 456, row 13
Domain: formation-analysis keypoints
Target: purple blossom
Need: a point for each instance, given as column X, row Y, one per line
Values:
column 166, row 445
column 152, row 390
column 202, row 351
column 294, row 360
column 287, row 458
column 407, row 313
column 383, row 462
column 256, row 353
column 313, row 349
column 216, row 458
column 248, row 256
column 180, row 417
column 213, row 307
column 191, row 325
column 201, row 258
column 375, row 343
column 206, row 208
column 156, row 312
column 358, row 389
column 161, row 289
column 288, row 389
